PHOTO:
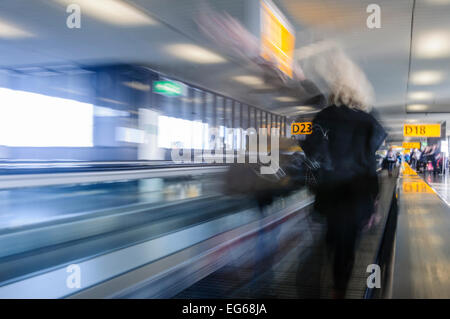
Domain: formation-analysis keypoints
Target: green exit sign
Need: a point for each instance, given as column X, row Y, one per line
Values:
column 168, row 88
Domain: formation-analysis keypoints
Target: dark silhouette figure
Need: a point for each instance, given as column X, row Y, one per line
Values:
column 343, row 142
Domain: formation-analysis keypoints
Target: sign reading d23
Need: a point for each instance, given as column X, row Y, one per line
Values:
column 422, row 130
column 301, row 128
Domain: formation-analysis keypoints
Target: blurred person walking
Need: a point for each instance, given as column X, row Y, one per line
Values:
column 344, row 141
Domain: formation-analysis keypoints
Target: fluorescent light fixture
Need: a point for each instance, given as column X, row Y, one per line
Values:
column 115, row 12
column 426, row 77
column 10, row 31
column 420, row 95
column 68, row 91
column 434, row 44
column 417, row 107
column 194, row 53
column 305, row 108
column 438, row 2
column 104, row 99
column 251, row 80
column 285, row 99
column 137, row 86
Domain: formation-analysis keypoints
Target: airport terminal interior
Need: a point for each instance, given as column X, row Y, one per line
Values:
column 225, row 149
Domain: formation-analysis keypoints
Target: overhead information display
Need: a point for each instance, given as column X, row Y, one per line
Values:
column 422, row 130
column 277, row 37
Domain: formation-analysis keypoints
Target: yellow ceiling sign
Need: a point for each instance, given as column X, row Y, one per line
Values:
column 301, row 128
column 277, row 38
column 422, row 130
column 409, row 145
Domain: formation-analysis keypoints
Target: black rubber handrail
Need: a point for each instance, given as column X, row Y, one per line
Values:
column 384, row 250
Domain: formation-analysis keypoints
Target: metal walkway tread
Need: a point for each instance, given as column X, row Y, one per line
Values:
column 298, row 268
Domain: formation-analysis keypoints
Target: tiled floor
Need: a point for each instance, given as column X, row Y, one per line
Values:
column 441, row 184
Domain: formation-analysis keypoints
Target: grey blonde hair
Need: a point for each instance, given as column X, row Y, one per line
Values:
column 347, row 83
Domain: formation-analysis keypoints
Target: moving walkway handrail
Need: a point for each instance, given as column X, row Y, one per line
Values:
column 33, row 167
column 51, row 179
column 152, row 259
column 384, row 254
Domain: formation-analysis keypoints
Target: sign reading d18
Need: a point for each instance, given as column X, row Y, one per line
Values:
column 422, row 130
column 301, row 128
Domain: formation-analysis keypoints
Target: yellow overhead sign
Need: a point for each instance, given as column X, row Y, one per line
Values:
column 301, row 128
column 409, row 145
column 277, row 37
column 422, row 130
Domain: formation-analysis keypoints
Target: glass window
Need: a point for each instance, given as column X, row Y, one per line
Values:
column 245, row 110
column 277, row 123
column 37, row 120
column 178, row 133
column 263, row 119
column 197, row 117
column 237, row 130
column 210, row 120
column 245, row 118
column 220, row 122
column 197, row 105
column 228, row 120
column 186, row 104
column 258, row 122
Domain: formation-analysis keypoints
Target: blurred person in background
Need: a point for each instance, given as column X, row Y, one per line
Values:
column 428, row 159
column 407, row 158
column 434, row 156
column 399, row 158
column 391, row 158
column 417, row 154
column 412, row 158
column 344, row 141
column 439, row 163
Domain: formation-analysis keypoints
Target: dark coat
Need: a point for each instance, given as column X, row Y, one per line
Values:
column 344, row 142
